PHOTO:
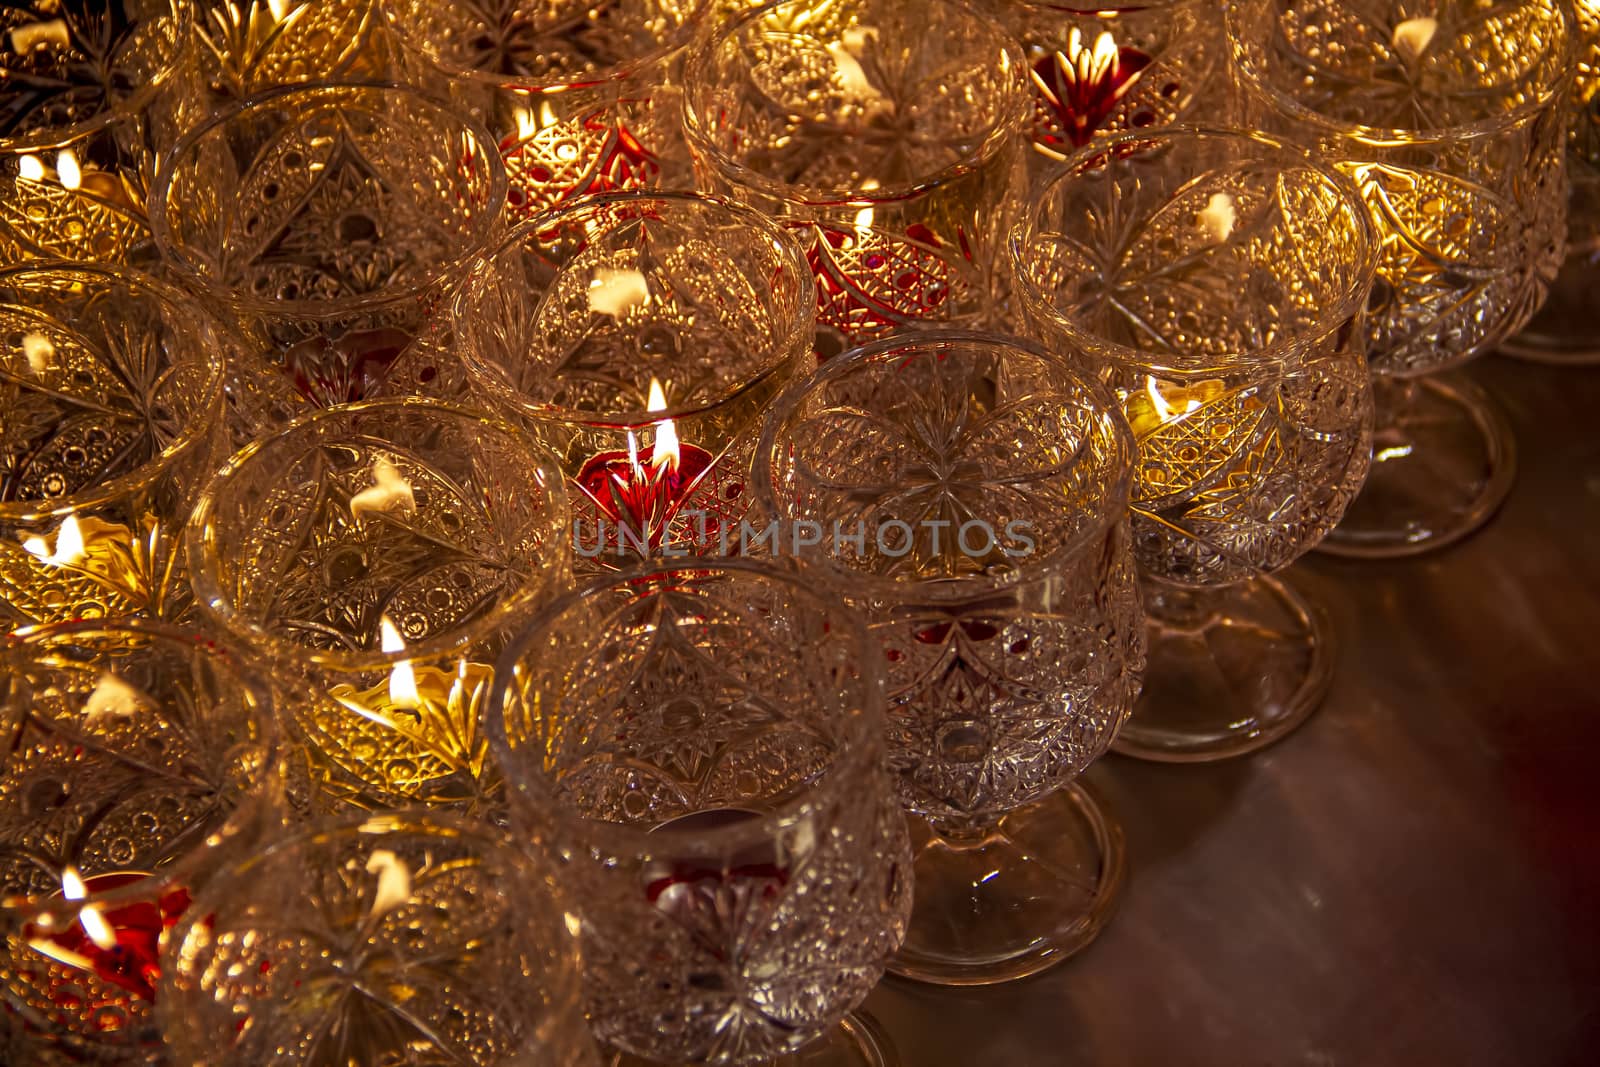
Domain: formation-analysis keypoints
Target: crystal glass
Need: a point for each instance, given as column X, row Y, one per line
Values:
column 887, row 134
column 399, row 940
column 85, row 91
column 1453, row 125
column 968, row 494
column 701, row 746
column 1216, row 281
column 1121, row 66
column 248, row 46
column 110, row 418
column 642, row 336
column 582, row 97
column 377, row 555
column 139, row 758
column 330, row 223
column 1564, row 331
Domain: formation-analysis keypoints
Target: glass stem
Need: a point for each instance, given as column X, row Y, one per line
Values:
column 965, row 831
column 1391, row 398
column 1177, row 605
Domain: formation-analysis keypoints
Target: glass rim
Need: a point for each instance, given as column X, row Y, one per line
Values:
column 1256, row 84
column 416, row 822
column 178, row 256
column 621, row 71
column 1266, row 360
column 412, row 819
column 529, row 784
column 189, row 437
column 964, row 588
column 31, row 641
column 203, row 558
column 131, row 107
column 785, row 350
column 1000, row 136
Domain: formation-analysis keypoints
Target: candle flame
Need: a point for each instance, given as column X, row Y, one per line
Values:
column 72, row 884
column 1412, row 37
column 616, row 292
column 666, row 452
column 95, row 925
column 1165, row 411
column 61, row 955
column 67, row 169
column 390, row 491
column 402, row 679
column 529, row 124
column 1095, row 64
column 69, row 545
column 112, row 697
column 29, row 168
column 1218, row 217
column 394, row 881
column 39, row 350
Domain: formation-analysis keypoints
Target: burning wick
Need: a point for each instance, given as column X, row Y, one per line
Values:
column 69, row 545
column 38, row 36
column 67, row 169
column 529, row 124
column 402, row 679
column 94, row 924
column 389, row 492
column 1218, row 217
column 1412, row 37
column 1164, row 411
column 616, row 292
column 114, row 698
column 666, row 451
column 39, row 350
column 394, row 881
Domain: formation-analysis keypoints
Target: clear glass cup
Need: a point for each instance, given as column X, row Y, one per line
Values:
column 377, row 555
column 1564, row 332
column 398, row 940
column 110, row 418
column 581, row 97
column 700, row 746
column 967, row 494
column 1121, row 66
column 85, row 110
column 888, row 135
column 1217, row 281
column 331, row 224
column 246, row 47
column 641, row 336
column 140, row 758
column 1453, row 124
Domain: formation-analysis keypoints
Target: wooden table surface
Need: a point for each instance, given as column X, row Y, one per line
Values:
column 1413, row 878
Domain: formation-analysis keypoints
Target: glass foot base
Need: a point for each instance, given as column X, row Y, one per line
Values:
column 1565, row 331
column 1014, row 899
column 859, row 1041
column 1249, row 665
column 1443, row 461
